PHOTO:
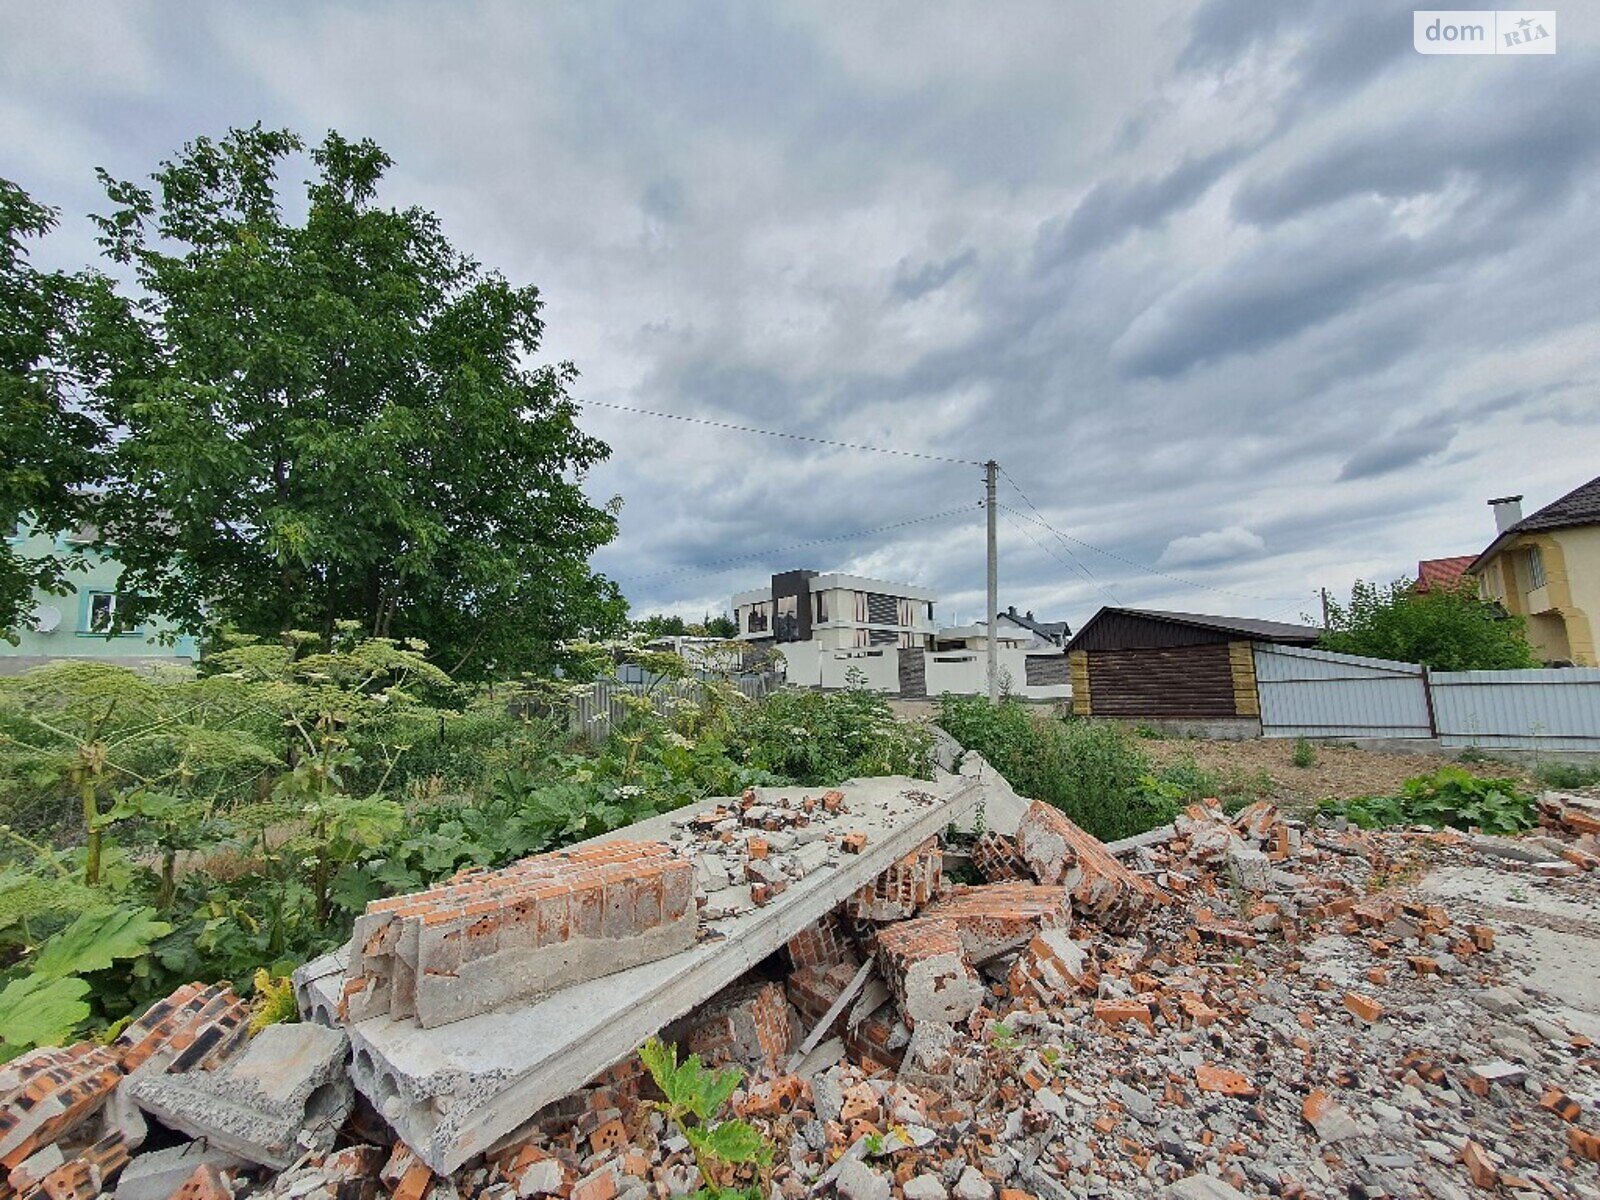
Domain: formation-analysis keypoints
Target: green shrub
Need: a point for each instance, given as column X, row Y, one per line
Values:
column 1305, row 754
column 1565, row 776
column 1089, row 770
column 824, row 738
column 1451, row 797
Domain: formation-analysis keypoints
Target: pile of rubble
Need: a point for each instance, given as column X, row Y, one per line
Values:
column 1235, row 1006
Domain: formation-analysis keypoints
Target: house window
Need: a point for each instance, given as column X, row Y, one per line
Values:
column 787, row 626
column 906, row 613
column 1535, row 568
column 819, row 608
column 910, row 641
column 860, row 607
column 760, row 617
column 101, row 615
column 862, row 637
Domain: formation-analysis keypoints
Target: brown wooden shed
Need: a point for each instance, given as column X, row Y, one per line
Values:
column 1140, row 663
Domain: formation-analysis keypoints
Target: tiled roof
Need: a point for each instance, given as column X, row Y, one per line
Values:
column 1580, row 506
column 1441, row 572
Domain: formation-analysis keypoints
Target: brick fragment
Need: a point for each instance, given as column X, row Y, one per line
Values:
column 1365, row 1007
column 995, row 857
column 207, row 1183
column 484, row 938
column 906, row 886
column 47, row 1093
column 1120, row 1012
column 854, row 843
column 927, row 970
column 1210, row 1078
column 1479, row 1168
column 750, row 1025
column 1059, row 852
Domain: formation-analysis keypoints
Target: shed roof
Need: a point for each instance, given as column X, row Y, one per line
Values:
column 1244, row 628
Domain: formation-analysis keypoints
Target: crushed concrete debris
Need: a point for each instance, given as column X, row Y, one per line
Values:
column 1246, row 1006
column 286, row 1093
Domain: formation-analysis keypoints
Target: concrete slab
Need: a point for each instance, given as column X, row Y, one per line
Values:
column 452, row 1092
column 285, row 1092
column 1555, row 941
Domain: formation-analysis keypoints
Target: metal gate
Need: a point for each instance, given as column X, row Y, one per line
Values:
column 1315, row 693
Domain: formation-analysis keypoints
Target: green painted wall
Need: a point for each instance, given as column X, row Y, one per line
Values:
column 73, row 636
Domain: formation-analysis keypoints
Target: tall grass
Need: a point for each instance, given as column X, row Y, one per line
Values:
column 1093, row 772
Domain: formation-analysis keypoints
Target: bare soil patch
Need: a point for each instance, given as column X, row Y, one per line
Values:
column 1264, row 768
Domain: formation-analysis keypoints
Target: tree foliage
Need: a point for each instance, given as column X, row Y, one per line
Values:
column 53, row 442
column 1448, row 629
column 333, row 418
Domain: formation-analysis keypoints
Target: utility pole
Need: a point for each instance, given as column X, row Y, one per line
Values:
column 990, row 471
column 1324, row 608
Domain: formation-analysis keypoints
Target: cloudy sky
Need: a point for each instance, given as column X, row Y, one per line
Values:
column 1247, row 297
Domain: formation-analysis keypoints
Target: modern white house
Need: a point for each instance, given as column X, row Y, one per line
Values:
column 836, row 630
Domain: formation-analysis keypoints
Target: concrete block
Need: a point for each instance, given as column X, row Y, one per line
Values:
column 156, row 1175
column 454, row 1091
column 1003, row 809
column 289, row 1081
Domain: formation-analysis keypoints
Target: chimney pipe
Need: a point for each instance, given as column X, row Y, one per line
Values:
column 1507, row 512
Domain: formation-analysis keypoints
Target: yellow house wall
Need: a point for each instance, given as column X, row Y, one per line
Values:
column 1561, row 616
column 1579, row 550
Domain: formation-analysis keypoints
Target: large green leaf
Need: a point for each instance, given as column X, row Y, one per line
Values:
column 35, row 1011
column 729, row 1142
column 96, row 940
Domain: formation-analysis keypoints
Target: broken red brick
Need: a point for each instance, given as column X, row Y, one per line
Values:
column 1119, row 1012
column 854, row 843
column 207, row 1183
column 1059, row 852
column 47, row 1093
column 1479, row 1168
column 1209, row 1078
column 750, row 1025
column 906, row 886
column 1564, row 1106
column 1365, row 1007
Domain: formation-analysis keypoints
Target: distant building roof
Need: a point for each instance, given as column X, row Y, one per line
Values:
column 1441, row 572
column 1244, row 628
column 1051, row 631
column 1580, row 506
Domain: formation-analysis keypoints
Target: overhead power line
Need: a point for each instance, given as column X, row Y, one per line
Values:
column 793, row 437
column 1070, row 565
column 1039, row 519
column 776, row 550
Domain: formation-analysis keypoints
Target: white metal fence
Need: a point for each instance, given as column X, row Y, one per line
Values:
column 1543, row 710
column 1315, row 693
column 594, row 709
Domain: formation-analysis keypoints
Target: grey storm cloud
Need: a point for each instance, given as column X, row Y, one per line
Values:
column 1247, row 297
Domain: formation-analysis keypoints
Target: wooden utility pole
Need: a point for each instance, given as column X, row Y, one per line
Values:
column 1324, row 608
column 990, row 471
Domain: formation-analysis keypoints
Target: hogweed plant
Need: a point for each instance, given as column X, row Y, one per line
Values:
column 693, row 1098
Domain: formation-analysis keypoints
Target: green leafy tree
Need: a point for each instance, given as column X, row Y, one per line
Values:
column 53, row 440
column 658, row 625
column 1448, row 629
column 334, row 418
column 721, row 626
